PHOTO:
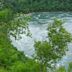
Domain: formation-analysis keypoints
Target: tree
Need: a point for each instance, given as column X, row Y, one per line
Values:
column 50, row 51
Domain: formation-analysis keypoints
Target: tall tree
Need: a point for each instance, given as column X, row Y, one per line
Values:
column 48, row 52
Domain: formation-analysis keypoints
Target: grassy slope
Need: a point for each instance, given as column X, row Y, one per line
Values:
column 12, row 60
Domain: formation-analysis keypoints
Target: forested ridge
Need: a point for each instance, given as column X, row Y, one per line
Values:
column 27, row 6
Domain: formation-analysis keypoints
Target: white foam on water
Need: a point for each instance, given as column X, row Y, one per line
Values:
column 38, row 28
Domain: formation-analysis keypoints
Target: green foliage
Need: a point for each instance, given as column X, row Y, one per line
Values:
column 3, row 70
column 6, row 15
column 28, row 66
column 19, row 25
column 8, row 54
column 64, row 68
column 61, row 69
column 58, row 37
column 39, row 5
column 50, row 51
column 14, row 23
column 70, row 67
column 43, row 51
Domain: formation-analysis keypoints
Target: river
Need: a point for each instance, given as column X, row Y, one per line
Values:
column 38, row 26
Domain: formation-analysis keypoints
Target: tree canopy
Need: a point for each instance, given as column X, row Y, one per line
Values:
column 48, row 52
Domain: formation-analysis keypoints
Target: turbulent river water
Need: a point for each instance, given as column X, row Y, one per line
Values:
column 38, row 27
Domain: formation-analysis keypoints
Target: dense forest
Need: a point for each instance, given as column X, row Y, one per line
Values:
column 48, row 52
column 39, row 5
